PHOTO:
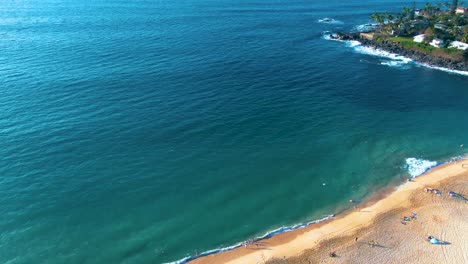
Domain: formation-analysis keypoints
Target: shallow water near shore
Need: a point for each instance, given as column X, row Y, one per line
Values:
column 144, row 132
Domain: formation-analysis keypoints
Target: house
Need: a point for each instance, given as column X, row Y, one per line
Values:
column 437, row 43
column 419, row 38
column 417, row 12
column 440, row 26
column 461, row 10
column 458, row 45
column 369, row 36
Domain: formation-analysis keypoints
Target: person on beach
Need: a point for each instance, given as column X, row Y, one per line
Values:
column 428, row 190
column 433, row 240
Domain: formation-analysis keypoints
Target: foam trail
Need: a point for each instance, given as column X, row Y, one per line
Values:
column 268, row 234
column 330, row 21
column 327, row 35
column 398, row 60
column 379, row 53
column 364, row 27
column 417, row 167
column 444, row 69
column 397, row 64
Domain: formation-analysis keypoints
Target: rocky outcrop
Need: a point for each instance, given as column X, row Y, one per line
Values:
column 393, row 47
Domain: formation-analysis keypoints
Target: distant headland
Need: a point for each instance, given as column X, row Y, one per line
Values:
column 436, row 35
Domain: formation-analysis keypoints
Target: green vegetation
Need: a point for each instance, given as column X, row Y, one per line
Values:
column 408, row 43
column 436, row 21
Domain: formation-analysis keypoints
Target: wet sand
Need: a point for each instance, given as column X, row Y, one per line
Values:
column 377, row 226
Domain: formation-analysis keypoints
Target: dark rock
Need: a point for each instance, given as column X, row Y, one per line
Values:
column 412, row 54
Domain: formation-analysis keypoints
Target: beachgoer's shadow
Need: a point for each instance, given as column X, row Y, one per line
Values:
column 444, row 243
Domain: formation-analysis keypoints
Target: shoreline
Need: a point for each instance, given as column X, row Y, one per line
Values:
column 292, row 243
column 426, row 60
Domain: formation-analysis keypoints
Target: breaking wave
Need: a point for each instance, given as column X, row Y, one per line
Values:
column 330, row 21
column 364, row 27
column 391, row 59
column 380, row 53
column 445, row 69
column 268, row 234
column 417, row 167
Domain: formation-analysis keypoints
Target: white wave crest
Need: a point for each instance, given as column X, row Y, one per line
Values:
column 445, row 69
column 395, row 59
column 380, row 53
column 268, row 234
column 327, row 35
column 284, row 229
column 329, row 21
column 397, row 64
column 353, row 43
column 417, row 167
column 364, row 27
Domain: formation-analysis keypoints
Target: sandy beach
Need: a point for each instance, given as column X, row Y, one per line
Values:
column 376, row 231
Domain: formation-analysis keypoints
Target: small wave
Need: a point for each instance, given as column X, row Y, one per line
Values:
column 417, row 167
column 329, row 21
column 268, row 234
column 364, row 27
column 396, row 64
column 380, row 53
column 444, row 69
column 395, row 59
column 398, row 60
column 328, row 36
column 358, row 47
column 353, row 43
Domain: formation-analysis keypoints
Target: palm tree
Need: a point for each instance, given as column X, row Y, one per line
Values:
column 399, row 17
column 465, row 38
column 378, row 17
column 388, row 16
column 406, row 11
column 454, row 6
column 448, row 5
column 429, row 9
column 412, row 11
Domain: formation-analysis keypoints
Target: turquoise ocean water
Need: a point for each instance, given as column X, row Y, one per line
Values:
column 146, row 131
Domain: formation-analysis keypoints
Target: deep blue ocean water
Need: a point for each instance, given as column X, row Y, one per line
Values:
column 146, row 131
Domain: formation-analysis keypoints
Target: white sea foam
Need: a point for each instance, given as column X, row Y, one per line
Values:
column 265, row 236
column 397, row 64
column 353, row 43
column 417, row 167
column 395, row 60
column 364, row 27
column 445, row 69
column 330, row 21
column 380, row 53
column 326, row 35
